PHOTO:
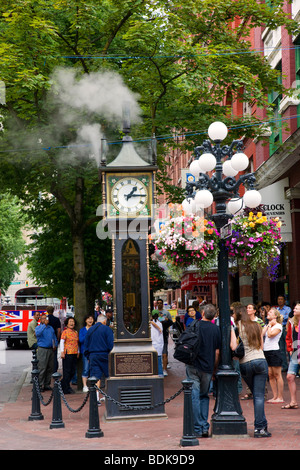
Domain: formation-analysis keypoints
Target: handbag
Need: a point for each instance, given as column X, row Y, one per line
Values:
column 239, row 352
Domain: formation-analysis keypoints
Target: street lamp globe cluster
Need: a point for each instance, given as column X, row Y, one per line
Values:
column 215, row 169
column 203, row 192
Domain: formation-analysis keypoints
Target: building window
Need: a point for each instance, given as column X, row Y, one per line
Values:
column 276, row 127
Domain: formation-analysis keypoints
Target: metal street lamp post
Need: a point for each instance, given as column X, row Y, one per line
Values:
column 222, row 187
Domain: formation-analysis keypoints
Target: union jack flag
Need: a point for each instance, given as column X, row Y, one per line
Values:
column 15, row 320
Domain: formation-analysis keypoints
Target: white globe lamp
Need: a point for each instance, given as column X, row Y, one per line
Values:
column 204, row 198
column 252, row 198
column 228, row 170
column 217, row 131
column 189, row 206
column 239, row 161
column 195, row 168
column 207, row 162
column 234, row 206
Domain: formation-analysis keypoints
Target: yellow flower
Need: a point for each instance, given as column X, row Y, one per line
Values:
column 259, row 221
column 259, row 214
column 250, row 217
column 278, row 224
column 251, row 224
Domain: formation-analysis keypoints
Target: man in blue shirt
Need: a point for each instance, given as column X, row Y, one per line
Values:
column 46, row 343
column 98, row 343
column 285, row 311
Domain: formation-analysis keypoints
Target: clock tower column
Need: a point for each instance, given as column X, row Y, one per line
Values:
column 128, row 196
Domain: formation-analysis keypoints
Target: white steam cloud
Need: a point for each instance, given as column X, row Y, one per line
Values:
column 88, row 98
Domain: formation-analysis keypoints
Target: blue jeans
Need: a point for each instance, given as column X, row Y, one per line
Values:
column 200, row 399
column 255, row 374
column 85, row 366
column 160, row 367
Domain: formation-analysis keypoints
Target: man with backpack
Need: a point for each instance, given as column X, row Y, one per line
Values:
column 203, row 368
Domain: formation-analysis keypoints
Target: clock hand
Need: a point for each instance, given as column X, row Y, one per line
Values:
column 128, row 196
column 138, row 195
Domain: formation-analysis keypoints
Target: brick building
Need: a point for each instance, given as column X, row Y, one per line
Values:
column 275, row 159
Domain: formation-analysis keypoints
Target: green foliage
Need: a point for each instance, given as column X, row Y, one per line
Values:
column 49, row 255
column 180, row 58
column 12, row 245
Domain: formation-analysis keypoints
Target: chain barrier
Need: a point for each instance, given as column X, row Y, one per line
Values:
column 146, row 407
column 188, row 438
column 67, row 404
column 116, row 402
column 40, row 396
column 38, row 391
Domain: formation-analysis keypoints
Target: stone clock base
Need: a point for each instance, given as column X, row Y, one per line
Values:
column 134, row 381
column 135, row 391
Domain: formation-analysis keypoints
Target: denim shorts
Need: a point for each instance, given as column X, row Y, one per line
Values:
column 293, row 367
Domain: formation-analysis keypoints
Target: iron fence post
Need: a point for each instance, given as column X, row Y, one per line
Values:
column 57, row 421
column 94, row 426
column 189, row 437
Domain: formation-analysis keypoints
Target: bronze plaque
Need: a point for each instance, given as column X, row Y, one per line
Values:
column 133, row 364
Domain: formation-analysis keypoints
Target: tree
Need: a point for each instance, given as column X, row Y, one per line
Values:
column 49, row 256
column 12, row 244
column 181, row 58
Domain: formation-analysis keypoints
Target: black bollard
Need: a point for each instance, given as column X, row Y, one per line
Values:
column 189, row 436
column 57, row 421
column 36, row 414
column 34, row 361
column 94, row 427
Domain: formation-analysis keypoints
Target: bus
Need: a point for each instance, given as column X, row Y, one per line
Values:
column 16, row 316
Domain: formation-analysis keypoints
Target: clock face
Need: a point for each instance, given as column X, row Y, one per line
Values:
column 129, row 195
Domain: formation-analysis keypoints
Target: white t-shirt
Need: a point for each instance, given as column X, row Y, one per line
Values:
column 271, row 344
column 157, row 337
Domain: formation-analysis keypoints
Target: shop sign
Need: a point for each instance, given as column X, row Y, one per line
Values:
column 275, row 204
column 190, row 280
column 201, row 290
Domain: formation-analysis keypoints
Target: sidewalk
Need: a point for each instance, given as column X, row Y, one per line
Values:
column 17, row 433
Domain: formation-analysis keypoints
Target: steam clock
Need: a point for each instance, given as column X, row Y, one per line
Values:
column 128, row 196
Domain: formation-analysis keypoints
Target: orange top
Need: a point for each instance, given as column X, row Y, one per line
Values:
column 70, row 337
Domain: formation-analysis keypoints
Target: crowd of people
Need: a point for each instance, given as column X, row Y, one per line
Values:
column 93, row 343
column 270, row 336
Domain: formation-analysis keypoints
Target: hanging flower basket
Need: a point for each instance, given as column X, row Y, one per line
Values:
column 185, row 241
column 106, row 297
column 255, row 242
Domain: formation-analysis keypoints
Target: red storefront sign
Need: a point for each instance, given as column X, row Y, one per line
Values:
column 190, row 280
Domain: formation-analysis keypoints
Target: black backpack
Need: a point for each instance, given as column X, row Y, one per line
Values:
column 188, row 344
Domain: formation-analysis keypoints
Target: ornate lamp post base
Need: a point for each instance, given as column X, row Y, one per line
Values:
column 227, row 418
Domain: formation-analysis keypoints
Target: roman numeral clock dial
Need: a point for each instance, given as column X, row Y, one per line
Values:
column 129, row 196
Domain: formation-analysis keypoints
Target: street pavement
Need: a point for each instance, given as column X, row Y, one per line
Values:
column 131, row 437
